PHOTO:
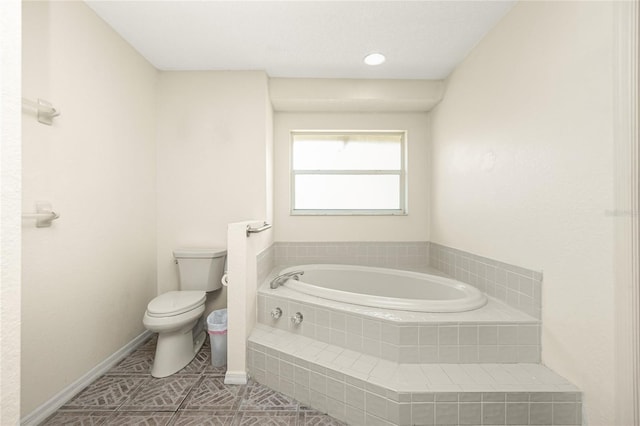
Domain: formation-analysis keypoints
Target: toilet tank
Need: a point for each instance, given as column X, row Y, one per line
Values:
column 200, row 269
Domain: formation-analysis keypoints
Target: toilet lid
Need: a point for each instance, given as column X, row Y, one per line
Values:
column 175, row 303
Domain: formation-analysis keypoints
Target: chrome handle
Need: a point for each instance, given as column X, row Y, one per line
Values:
column 251, row 230
column 281, row 279
column 296, row 319
column 276, row 313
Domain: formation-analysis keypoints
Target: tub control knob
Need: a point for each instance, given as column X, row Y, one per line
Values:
column 297, row 319
column 276, row 313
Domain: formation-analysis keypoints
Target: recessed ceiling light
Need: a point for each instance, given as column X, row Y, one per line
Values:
column 374, row 59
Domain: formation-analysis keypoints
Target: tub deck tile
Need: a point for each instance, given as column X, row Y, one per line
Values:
column 493, row 333
column 416, row 377
column 432, row 393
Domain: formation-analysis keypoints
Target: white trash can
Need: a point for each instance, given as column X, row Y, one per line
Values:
column 217, row 328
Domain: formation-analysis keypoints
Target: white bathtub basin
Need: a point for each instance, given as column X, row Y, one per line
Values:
column 386, row 288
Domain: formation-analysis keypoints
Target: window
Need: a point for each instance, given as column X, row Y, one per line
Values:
column 348, row 173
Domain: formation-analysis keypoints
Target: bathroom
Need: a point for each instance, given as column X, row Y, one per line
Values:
column 520, row 162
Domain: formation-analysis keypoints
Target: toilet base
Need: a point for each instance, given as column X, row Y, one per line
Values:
column 175, row 350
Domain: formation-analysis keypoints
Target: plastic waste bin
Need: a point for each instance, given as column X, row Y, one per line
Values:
column 217, row 328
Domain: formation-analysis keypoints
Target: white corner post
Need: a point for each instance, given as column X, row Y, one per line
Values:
column 241, row 295
column 626, row 215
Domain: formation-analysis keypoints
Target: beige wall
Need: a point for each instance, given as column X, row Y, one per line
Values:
column 139, row 163
column 347, row 95
column 10, row 12
column 523, row 173
column 214, row 155
column 412, row 227
column 87, row 279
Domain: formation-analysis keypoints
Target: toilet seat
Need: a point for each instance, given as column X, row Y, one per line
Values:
column 175, row 303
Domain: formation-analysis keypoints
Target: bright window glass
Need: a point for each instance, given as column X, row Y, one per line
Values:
column 348, row 173
column 347, row 152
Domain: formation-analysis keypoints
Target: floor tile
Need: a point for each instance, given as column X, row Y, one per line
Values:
column 196, row 395
column 164, row 394
column 215, row 371
column 138, row 362
column 78, row 418
column 260, row 397
column 198, row 365
column 106, row 393
column 149, row 344
column 268, row 418
column 204, row 418
column 212, row 394
column 315, row 418
column 140, row 418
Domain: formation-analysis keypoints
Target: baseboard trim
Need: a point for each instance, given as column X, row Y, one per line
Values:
column 235, row 378
column 48, row 408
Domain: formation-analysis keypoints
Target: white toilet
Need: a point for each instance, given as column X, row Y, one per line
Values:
column 177, row 315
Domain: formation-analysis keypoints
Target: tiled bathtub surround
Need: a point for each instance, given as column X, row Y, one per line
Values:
column 518, row 287
column 412, row 254
column 361, row 389
column 369, row 366
column 494, row 333
column 265, row 263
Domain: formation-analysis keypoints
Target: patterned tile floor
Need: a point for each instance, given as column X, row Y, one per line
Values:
column 196, row 395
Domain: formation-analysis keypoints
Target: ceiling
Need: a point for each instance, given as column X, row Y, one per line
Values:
column 311, row 39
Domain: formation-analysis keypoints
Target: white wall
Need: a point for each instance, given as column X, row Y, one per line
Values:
column 523, row 173
column 412, row 227
column 10, row 12
column 87, row 279
column 627, row 212
column 214, row 155
column 354, row 95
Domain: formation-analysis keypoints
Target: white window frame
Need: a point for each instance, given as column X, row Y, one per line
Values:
column 402, row 173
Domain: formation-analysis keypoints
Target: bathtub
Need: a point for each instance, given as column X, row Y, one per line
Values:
column 385, row 288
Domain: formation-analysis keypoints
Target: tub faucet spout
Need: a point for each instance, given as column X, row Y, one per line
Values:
column 281, row 279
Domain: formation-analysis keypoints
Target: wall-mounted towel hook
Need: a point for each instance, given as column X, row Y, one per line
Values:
column 43, row 215
column 45, row 111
